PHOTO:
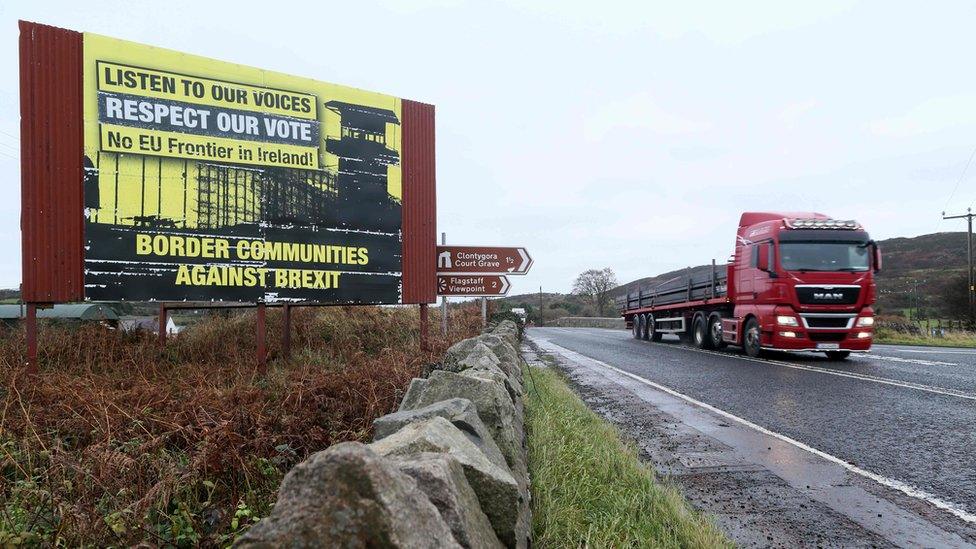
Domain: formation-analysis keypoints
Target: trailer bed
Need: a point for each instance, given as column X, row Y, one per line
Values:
column 698, row 285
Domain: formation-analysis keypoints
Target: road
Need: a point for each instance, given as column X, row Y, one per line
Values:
column 900, row 417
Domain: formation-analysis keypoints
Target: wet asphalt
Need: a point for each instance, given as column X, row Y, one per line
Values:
column 907, row 413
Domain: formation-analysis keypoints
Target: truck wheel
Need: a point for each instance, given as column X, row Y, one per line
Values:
column 715, row 331
column 700, row 331
column 837, row 355
column 635, row 326
column 652, row 332
column 644, row 321
column 752, row 338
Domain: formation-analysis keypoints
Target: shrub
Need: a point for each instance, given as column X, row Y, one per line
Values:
column 117, row 441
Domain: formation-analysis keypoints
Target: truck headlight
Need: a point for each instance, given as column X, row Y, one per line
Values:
column 786, row 321
column 863, row 335
column 865, row 321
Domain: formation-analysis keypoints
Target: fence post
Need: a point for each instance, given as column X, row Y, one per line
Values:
column 286, row 332
column 262, row 351
column 163, row 320
column 424, row 337
column 31, row 338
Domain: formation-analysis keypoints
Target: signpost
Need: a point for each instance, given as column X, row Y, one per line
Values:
column 479, row 271
column 472, row 285
column 483, row 260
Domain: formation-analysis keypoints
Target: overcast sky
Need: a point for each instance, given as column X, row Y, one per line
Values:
column 628, row 135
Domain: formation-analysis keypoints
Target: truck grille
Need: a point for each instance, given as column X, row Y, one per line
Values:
column 828, row 295
column 814, row 321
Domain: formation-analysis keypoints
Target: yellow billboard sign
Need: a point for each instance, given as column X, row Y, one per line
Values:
column 182, row 149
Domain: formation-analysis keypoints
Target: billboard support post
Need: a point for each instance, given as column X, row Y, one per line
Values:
column 31, row 338
column 163, row 320
column 286, row 332
column 424, row 329
column 262, row 352
column 444, row 298
column 484, row 312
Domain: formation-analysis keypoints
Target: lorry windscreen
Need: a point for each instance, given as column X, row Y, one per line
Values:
column 824, row 256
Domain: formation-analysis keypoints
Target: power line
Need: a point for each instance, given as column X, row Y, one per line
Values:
column 961, row 177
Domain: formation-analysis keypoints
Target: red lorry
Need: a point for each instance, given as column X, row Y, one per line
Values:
column 796, row 282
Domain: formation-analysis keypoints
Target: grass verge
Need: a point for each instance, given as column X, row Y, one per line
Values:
column 951, row 339
column 588, row 487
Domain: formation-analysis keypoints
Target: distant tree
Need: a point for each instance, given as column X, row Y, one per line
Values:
column 594, row 286
column 557, row 313
column 955, row 297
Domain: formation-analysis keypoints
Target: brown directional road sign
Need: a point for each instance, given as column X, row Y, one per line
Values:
column 472, row 285
column 483, row 260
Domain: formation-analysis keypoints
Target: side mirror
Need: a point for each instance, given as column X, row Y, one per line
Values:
column 876, row 256
column 763, row 251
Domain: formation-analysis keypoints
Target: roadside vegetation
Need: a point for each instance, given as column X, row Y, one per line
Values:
column 900, row 331
column 117, row 442
column 589, row 488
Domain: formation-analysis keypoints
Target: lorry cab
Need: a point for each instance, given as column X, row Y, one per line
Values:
column 802, row 282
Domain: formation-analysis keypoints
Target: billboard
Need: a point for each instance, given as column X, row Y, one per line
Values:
column 207, row 180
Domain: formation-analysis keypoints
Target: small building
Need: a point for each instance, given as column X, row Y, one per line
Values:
column 147, row 324
column 87, row 312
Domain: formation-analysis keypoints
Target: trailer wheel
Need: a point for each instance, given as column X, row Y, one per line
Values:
column 652, row 332
column 644, row 320
column 700, row 331
column 837, row 355
column 635, row 326
column 715, row 331
column 752, row 338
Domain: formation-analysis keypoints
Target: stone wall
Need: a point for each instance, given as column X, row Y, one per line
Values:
column 590, row 322
column 448, row 469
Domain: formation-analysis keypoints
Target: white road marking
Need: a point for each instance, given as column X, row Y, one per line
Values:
column 908, row 360
column 930, row 351
column 902, row 487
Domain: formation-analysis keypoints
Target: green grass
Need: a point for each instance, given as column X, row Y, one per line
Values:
column 951, row 339
column 588, row 487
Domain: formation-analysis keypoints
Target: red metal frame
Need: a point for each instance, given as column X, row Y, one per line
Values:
column 419, row 204
column 163, row 320
column 51, row 164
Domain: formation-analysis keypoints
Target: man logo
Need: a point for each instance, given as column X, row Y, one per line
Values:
column 828, row 295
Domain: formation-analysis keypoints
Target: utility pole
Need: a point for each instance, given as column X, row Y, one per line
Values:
column 915, row 289
column 443, row 298
column 969, row 257
column 542, row 320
